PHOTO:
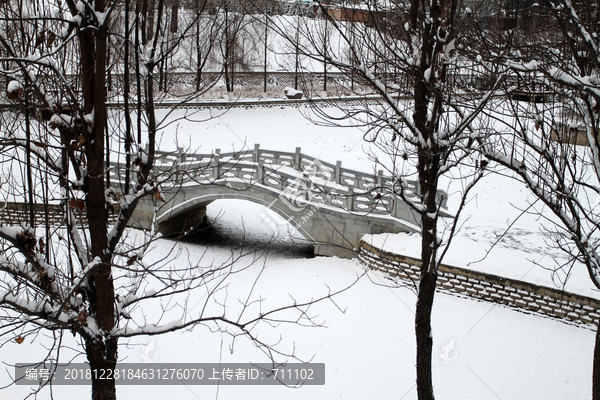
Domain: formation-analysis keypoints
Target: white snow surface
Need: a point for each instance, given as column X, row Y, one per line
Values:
column 481, row 350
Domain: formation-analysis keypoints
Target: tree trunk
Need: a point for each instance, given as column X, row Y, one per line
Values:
column 174, row 16
column 198, row 51
column 428, row 169
column 228, row 83
column 30, row 185
column 297, row 61
column 150, row 17
column 423, row 334
column 101, row 354
column 102, row 357
column 427, row 282
column 138, row 75
column 266, row 52
column 325, row 57
column 126, row 82
column 596, row 368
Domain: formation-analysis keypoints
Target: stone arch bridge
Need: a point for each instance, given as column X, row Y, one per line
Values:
column 331, row 206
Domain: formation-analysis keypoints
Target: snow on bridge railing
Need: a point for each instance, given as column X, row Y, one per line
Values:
column 293, row 174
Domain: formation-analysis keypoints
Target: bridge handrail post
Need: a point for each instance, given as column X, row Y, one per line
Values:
column 351, row 200
column 216, row 166
column 181, row 156
column 379, row 178
column 256, row 152
column 394, row 210
column 338, row 172
column 260, row 171
column 298, row 158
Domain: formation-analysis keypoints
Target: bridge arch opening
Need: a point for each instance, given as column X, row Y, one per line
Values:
column 249, row 224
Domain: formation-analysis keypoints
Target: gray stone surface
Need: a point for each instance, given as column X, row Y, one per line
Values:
column 332, row 206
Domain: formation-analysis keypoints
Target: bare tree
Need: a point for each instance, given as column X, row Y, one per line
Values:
column 83, row 271
column 235, row 41
column 424, row 130
column 548, row 125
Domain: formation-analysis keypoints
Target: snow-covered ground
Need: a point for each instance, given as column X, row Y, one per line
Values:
column 482, row 350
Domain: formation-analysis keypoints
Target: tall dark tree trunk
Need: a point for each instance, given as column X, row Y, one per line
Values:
column 140, row 13
column 297, row 60
column 325, row 57
column 228, row 50
column 151, row 6
column 161, row 69
column 266, row 51
column 423, row 333
column 30, row 186
column 101, row 354
column 174, row 16
column 198, row 50
column 428, row 170
column 126, row 82
column 596, row 368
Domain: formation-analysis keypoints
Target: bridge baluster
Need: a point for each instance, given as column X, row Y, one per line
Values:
column 394, row 204
column 177, row 164
column 338, row 172
column 298, row 159
column 216, row 166
column 260, row 170
column 256, row 152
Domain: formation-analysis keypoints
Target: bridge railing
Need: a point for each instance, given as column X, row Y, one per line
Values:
column 301, row 179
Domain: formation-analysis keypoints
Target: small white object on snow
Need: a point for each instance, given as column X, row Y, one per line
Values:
column 291, row 93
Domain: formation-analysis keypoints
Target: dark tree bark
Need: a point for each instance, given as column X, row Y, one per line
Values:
column 101, row 354
column 596, row 367
column 428, row 170
column 126, row 83
column 423, row 333
column 266, row 53
column 228, row 49
column 174, row 16
column 198, row 49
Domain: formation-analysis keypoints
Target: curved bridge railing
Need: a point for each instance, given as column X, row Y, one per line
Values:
column 300, row 178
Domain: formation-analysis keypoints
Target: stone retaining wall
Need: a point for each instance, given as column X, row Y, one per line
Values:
column 18, row 213
column 523, row 296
